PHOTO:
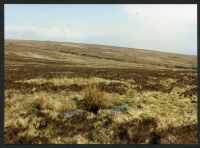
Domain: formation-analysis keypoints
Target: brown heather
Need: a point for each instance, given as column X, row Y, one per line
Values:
column 118, row 95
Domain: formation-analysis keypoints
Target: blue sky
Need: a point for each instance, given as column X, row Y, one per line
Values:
column 167, row 28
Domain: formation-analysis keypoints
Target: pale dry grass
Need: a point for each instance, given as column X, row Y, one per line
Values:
column 168, row 108
column 25, row 104
column 27, row 114
column 67, row 81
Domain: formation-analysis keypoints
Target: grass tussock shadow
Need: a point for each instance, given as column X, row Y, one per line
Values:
column 136, row 131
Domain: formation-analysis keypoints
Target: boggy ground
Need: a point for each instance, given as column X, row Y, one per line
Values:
column 66, row 93
column 161, row 106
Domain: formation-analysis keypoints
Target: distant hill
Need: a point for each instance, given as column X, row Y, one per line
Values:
column 19, row 52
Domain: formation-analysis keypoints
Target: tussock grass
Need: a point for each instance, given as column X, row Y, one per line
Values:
column 95, row 99
column 37, row 118
column 55, row 103
column 152, row 116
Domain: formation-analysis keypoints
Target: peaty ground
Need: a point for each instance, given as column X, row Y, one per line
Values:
column 65, row 93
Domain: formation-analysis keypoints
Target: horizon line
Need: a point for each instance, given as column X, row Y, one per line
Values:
column 101, row 45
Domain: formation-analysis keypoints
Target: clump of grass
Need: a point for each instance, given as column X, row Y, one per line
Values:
column 95, row 99
column 45, row 102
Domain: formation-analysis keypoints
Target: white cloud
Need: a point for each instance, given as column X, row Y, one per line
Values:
column 175, row 13
column 165, row 27
column 48, row 32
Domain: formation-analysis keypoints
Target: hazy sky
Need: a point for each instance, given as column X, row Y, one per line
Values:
column 169, row 28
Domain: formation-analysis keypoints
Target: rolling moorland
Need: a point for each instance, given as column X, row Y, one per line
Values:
column 71, row 93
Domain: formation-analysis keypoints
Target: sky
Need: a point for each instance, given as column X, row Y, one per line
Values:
column 166, row 28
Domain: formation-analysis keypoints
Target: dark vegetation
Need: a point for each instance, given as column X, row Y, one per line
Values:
column 140, row 77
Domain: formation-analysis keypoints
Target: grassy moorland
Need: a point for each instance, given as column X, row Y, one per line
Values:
column 66, row 93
